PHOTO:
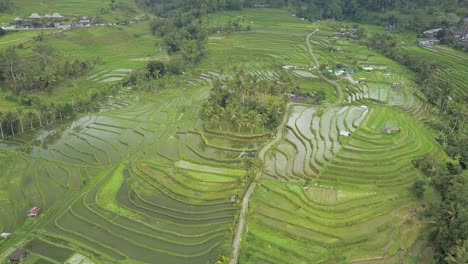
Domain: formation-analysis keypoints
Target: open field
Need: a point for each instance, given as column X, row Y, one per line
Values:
column 142, row 180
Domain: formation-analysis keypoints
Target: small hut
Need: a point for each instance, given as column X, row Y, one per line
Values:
column 345, row 133
column 34, row 16
column 16, row 256
column 34, row 212
column 57, row 16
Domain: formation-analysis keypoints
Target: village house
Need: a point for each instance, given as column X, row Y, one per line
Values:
column 431, row 32
column 459, row 33
column 428, row 42
column 36, row 20
column 342, row 71
column 84, row 22
column 34, row 16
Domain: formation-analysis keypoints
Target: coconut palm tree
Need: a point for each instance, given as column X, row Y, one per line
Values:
column 40, row 119
column 30, row 116
column 20, row 114
column 11, row 118
column 1, row 123
column 215, row 120
column 458, row 253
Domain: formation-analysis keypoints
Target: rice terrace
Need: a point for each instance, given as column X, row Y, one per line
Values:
column 256, row 131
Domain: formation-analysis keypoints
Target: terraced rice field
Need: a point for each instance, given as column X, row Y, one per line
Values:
column 135, row 188
column 452, row 65
column 141, row 181
column 330, row 198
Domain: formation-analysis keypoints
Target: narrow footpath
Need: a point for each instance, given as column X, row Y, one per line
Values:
column 339, row 91
column 253, row 184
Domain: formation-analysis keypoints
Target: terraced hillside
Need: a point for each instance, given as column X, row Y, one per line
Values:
column 329, row 198
column 451, row 65
column 123, row 184
column 348, row 201
column 142, row 181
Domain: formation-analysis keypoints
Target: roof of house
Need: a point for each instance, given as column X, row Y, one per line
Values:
column 18, row 19
column 57, row 15
column 5, row 235
column 17, row 254
column 432, row 31
column 35, row 15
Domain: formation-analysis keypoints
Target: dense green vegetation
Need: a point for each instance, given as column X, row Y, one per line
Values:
column 140, row 142
column 242, row 103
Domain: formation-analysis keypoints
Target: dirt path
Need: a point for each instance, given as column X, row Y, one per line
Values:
column 339, row 91
column 253, row 184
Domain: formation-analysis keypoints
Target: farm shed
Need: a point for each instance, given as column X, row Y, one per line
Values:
column 34, row 212
column 17, row 255
column 345, row 133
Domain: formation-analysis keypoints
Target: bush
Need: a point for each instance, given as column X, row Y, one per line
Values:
column 419, row 187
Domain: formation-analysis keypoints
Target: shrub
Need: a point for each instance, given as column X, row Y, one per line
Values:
column 419, row 187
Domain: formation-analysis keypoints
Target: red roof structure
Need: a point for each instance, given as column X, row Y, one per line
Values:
column 34, row 212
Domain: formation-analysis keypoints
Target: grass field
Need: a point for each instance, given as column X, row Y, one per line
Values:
column 142, row 180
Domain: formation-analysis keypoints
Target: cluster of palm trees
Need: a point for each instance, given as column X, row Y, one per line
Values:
column 19, row 121
column 244, row 103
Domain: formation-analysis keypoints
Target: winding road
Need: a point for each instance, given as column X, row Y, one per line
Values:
column 261, row 155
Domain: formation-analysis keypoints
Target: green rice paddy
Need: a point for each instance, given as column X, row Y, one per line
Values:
column 141, row 181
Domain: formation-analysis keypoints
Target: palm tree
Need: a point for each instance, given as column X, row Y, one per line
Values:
column 252, row 120
column 215, row 119
column 458, row 253
column 10, row 116
column 227, row 116
column 1, row 124
column 45, row 110
column 30, row 116
column 53, row 110
column 40, row 119
column 20, row 117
